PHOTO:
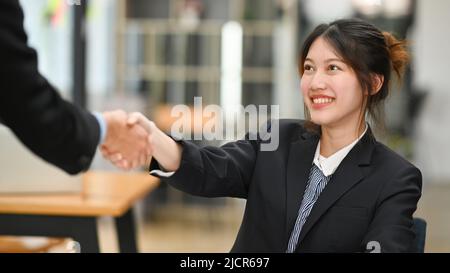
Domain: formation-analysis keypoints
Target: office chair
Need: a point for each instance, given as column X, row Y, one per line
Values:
column 420, row 228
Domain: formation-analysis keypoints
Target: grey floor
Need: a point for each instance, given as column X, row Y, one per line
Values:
column 434, row 207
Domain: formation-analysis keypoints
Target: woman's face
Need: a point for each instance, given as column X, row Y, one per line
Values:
column 330, row 88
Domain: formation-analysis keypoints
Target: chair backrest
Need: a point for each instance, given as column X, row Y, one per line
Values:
column 420, row 228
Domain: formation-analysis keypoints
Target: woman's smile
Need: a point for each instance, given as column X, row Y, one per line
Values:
column 321, row 101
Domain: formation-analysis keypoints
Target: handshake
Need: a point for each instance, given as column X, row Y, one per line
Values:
column 132, row 140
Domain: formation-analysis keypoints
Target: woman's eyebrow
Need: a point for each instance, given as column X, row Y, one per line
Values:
column 327, row 60
column 334, row 60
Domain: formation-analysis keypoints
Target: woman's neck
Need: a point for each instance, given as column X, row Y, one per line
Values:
column 334, row 138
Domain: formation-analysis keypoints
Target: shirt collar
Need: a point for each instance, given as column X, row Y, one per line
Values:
column 328, row 165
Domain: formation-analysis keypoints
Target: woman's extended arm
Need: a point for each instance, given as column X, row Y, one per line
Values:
column 205, row 171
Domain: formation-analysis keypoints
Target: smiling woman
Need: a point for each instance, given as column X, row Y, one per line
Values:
column 349, row 63
column 335, row 189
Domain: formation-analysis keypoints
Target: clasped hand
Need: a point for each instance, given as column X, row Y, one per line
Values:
column 127, row 142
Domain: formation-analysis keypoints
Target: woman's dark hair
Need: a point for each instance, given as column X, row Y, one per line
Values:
column 368, row 51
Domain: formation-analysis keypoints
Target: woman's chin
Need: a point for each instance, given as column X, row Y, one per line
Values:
column 321, row 120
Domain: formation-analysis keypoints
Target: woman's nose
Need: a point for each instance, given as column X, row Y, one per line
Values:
column 318, row 81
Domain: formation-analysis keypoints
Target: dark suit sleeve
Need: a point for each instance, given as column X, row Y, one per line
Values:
column 210, row 171
column 392, row 224
column 54, row 129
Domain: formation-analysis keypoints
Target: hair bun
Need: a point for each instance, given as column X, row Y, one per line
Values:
column 398, row 53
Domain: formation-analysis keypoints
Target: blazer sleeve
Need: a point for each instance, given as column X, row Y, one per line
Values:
column 211, row 171
column 392, row 224
column 56, row 130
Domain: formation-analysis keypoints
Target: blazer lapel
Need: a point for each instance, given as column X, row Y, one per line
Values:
column 301, row 155
column 349, row 173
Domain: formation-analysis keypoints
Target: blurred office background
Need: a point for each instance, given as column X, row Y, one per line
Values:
column 146, row 55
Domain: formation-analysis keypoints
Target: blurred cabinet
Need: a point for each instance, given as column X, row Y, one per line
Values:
column 169, row 50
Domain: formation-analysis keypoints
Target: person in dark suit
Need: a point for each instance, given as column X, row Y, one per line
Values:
column 329, row 186
column 56, row 130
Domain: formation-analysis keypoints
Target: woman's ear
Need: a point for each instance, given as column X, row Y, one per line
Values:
column 377, row 83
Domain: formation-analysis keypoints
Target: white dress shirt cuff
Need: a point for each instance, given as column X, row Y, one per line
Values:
column 162, row 173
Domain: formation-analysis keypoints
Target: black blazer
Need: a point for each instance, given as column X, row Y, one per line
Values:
column 371, row 196
column 59, row 132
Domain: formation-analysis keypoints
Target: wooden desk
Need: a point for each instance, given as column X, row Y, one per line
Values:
column 74, row 215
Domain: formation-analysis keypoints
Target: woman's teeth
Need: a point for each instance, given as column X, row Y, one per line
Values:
column 323, row 100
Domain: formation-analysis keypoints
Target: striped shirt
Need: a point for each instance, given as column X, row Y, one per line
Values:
column 316, row 183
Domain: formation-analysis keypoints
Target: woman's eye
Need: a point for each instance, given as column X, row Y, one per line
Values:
column 307, row 67
column 334, row 67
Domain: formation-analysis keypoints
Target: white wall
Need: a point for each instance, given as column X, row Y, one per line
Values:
column 101, row 22
column 431, row 49
column 51, row 41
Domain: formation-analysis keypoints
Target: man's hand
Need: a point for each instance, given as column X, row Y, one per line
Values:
column 126, row 144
